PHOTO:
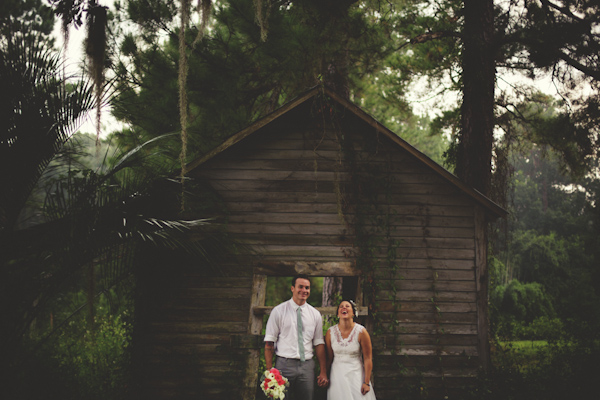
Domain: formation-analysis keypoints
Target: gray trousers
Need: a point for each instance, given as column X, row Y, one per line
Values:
column 301, row 376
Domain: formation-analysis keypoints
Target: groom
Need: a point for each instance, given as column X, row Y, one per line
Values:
column 294, row 332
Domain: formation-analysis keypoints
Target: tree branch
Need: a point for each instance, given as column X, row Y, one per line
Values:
column 429, row 36
column 563, row 10
column 592, row 73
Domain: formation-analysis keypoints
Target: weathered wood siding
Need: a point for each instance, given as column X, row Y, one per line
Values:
column 285, row 188
column 288, row 189
column 186, row 352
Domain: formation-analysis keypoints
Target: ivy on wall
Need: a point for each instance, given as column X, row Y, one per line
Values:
column 364, row 194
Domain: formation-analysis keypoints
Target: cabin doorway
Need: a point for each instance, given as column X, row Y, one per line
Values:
column 270, row 285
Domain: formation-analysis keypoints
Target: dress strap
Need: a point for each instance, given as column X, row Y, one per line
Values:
column 356, row 330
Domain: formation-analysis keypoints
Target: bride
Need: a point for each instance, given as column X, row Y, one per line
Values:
column 349, row 360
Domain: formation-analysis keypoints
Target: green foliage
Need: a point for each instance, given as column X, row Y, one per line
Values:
column 25, row 18
column 68, row 358
column 551, row 242
column 279, row 290
column 553, row 371
column 531, row 39
column 541, row 328
column 241, row 71
column 89, row 222
column 519, row 303
column 97, row 361
column 541, row 257
column 236, row 77
column 37, row 116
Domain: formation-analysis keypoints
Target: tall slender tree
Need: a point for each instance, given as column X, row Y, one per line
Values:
column 464, row 46
column 474, row 153
column 240, row 70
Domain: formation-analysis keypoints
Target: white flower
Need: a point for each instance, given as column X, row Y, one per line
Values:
column 271, row 385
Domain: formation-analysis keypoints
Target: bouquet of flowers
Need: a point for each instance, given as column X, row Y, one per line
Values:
column 274, row 384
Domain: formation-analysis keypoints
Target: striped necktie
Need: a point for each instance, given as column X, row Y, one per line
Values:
column 300, row 338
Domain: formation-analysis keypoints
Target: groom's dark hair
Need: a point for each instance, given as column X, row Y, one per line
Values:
column 301, row 276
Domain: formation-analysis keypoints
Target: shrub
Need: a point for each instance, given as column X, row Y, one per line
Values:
column 557, row 371
column 518, row 304
column 97, row 362
column 542, row 328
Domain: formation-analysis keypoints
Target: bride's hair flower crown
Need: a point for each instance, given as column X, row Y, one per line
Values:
column 354, row 307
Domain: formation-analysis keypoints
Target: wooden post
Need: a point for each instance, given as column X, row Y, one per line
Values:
column 481, row 276
column 259, row 286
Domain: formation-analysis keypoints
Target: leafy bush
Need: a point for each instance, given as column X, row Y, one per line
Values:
column 98, row 361
column 517, row 305
column 542, row 328
column 555, row 371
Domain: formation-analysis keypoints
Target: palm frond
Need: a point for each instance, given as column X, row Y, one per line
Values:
column 103, row 219
column 39, row 112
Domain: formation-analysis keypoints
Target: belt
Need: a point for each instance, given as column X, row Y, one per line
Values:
column 295, row 359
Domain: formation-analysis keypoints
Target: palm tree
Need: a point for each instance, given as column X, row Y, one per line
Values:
column 38, row 113
column 93, row 221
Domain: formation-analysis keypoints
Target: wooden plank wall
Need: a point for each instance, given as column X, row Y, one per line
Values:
column 281, row 186
column 186, row 345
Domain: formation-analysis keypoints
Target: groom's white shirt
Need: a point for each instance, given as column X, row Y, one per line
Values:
column 282, row 329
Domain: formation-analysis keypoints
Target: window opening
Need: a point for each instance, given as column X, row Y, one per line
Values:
column 271, row 286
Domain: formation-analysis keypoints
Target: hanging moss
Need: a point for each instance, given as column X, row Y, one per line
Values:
column 263, row 10
column 95, row 50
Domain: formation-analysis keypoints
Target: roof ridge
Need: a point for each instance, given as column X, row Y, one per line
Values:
column 489, row 204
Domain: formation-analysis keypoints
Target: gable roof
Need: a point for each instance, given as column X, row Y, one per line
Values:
column 487, row 203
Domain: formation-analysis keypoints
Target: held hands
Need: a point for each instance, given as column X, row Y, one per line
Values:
column 365, row 388
column 322, row 380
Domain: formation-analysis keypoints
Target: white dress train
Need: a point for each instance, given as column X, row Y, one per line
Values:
column 347, row 370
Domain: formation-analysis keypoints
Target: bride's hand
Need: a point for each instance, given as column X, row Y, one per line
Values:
column 366, row 388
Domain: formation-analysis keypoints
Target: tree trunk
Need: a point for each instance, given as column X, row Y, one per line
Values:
column 473, row 164
column 336, row 64
column 331, row 287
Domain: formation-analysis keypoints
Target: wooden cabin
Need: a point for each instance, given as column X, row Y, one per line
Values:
column 320, row 187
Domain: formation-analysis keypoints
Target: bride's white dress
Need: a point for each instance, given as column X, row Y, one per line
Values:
column 347, row 372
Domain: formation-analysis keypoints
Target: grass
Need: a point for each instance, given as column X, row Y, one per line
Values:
column 524, row 347
column 539, row 369
column 522, row 354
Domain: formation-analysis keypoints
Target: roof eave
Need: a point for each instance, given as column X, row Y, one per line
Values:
column 495, row 210
column 237, row 137
column 490, row 205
